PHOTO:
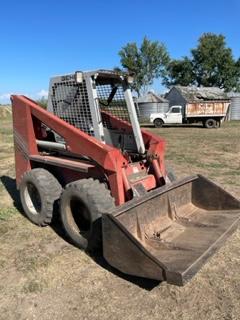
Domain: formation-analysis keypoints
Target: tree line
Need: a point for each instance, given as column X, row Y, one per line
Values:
column 210, row 64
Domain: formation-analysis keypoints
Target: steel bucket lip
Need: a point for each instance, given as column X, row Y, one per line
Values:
column 114, row 214
column 161, row 190
column 171, row 275
column 152, row 194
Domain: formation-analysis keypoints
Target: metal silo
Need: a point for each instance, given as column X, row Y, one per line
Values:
column 151, row 103
column 235, row 108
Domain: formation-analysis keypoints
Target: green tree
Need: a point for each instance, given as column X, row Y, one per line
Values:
column 211, row 64
column 179, row 72
column 43, row 102
column 148, row 62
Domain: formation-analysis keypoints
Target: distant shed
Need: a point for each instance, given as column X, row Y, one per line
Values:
column 195, row 98
column 150, row 103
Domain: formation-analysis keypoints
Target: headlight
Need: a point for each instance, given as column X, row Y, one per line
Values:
column 130, row 79
column 79, row 77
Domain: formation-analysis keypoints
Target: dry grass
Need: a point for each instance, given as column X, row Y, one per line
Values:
column 44, row 277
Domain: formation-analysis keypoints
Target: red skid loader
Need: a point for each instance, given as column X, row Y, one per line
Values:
column 88, row 153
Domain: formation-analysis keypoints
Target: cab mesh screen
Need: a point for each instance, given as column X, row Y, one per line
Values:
column 70, row 103
column 111, row 100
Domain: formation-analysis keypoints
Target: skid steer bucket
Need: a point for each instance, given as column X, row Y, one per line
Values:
column 169, row 233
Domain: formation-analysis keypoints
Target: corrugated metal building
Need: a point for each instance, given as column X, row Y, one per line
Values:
column 234, row 113
column 204, row 98
column 150, row 103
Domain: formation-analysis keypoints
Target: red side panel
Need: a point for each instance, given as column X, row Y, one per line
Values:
column 28, row 118
column 24, row 139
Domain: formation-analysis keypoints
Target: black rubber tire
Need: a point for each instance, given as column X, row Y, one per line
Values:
column 39, row 192
column 81, row 206
column 158, row 123
column 210, row 123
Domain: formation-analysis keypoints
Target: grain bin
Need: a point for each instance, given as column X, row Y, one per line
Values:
column 235, row 108
column 148, row 104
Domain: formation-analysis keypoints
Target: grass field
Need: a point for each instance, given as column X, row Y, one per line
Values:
column 44, row 277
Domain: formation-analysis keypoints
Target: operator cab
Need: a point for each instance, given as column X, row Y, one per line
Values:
column 175, row 109
column 93, row 101
column 174, row 115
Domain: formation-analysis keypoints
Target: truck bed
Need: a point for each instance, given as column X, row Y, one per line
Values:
column 207, row 109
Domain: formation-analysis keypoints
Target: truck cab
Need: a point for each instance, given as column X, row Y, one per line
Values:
column 173, row 116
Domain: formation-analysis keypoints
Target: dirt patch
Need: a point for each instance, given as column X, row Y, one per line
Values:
column 44, row 277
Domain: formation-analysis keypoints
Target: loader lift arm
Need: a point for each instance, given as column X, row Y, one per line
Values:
column 27, row 118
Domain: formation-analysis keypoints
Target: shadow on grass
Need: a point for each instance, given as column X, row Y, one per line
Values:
column 147, row 284
column 10, row 185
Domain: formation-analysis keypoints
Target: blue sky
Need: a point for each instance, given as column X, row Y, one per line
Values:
column 39, row 39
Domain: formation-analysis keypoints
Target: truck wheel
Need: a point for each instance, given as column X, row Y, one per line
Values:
column 158, row 123
column 39, row 191
column 81, row 206
column 210, row 123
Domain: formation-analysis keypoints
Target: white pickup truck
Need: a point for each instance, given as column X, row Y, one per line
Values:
column 210, row 115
